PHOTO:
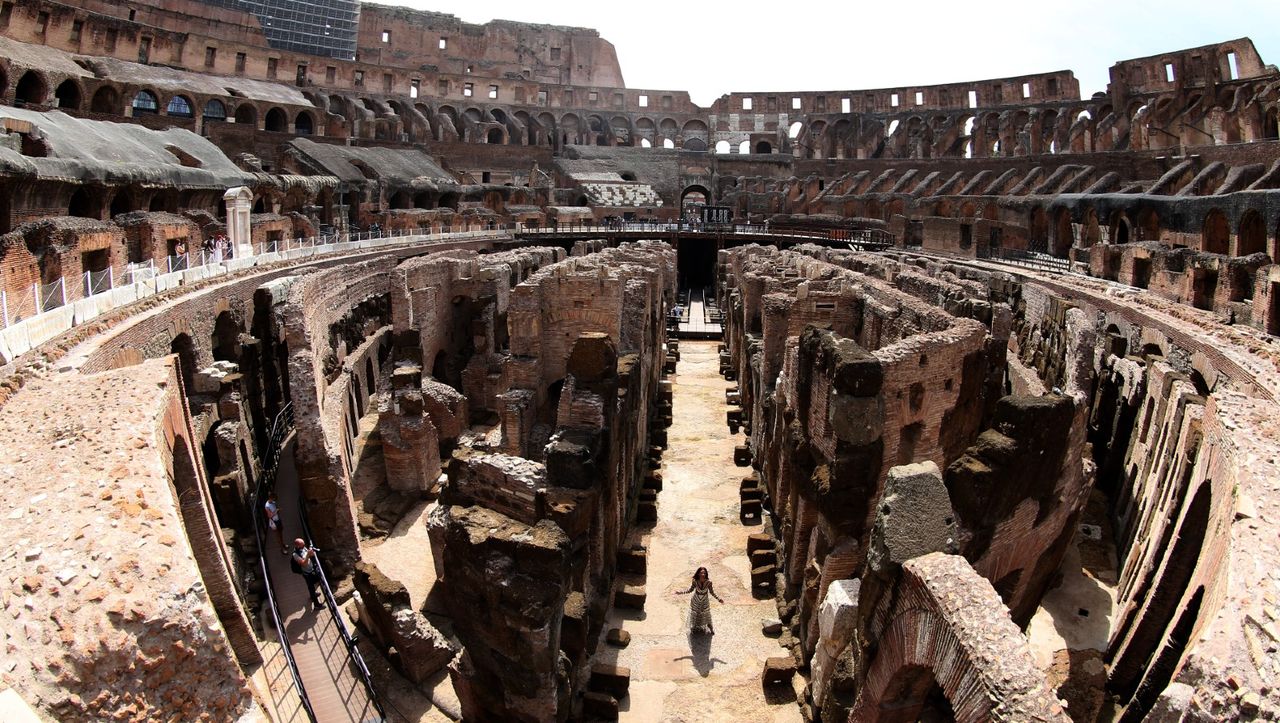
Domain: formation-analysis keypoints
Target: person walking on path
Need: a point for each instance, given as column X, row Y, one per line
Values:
column 304, row 562
column 272, row 510
column 700, row 603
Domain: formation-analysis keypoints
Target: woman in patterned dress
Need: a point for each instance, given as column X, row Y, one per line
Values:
column 700, row 604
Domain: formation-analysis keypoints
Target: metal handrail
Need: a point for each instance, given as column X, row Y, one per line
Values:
column 875, row 238
column 266, row 481
column 331, row 604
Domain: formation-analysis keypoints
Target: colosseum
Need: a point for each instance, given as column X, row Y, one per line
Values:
column 359, row 363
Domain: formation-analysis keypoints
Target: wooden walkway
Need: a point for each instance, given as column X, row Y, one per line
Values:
column 337, row 695
column 697, row 320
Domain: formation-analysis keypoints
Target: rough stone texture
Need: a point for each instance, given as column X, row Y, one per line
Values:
column 421, row 650
column 111, row 613
column 947, row 626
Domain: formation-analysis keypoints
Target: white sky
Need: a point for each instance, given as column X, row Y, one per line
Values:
column 715, row 48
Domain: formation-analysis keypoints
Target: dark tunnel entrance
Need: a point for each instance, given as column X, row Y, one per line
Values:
column 696, row 264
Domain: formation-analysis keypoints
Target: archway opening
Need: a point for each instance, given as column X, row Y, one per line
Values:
column 214, row 111
column 276, row 121
column 105, row 100
column 68, row 95
column 763, row 147
column 31, row 89
column 692, row 200
column 246, row 115
column 81, row 204
column 185, row 348
column 180, row 107
column 1216, row 233
column 494, row 137
column 1252, row 234
column 303, row 125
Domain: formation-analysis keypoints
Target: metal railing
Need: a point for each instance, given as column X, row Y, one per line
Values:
column 331, row 604
column 1029, row 259
column 871, row 238
column 266, row 482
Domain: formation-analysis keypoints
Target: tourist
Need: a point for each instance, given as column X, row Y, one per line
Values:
column 304, row 562
column 272, row 510
column 700, row 605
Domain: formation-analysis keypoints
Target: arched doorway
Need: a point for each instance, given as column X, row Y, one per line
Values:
column 68, row 95
column 31, row 89
column 763, row 147
column 1119, row 228
column 276, row 121
column 105, row 100
column 246, row 114
column 1252, row 234
column 494, row 137
column 303, row 125
column 81, row 204
column 1148, row 225
column 1271, row 125
column 1062, row 236
column 692, row 199
column 1215, row 233
column 185, row 348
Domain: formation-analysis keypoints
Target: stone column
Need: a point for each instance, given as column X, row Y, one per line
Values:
column 239, row 202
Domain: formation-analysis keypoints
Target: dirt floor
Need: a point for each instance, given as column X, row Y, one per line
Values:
column 676, row 676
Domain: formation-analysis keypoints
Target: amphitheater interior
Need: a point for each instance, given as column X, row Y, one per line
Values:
column 966, row 395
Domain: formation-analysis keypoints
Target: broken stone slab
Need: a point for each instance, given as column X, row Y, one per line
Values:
column 771, row 627
column 751, row 509
column 915, row 517
column 763, row 576
column 760, row 558
column 630, row 597
column 618, row 637
column 838, row 612
column 778, row 671
column 742, row 455
column 612, row 679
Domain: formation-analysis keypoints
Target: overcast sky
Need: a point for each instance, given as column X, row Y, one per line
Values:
column 711, row 49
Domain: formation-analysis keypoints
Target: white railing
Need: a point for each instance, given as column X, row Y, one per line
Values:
column 43, row 311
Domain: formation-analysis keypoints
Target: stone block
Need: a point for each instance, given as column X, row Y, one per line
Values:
column 618, row 637
column 634, row 562
column 759, row 541
column 771, row 627
column 653, row 481
column 599, row 706
column 753, row 494
column 778, row 671
column 914, row 519
column 647, row 495
column 760, row 558
column 647, row 512
column 611, row 679
column 763, row 576
column 742, row 455
column 752, row 509
column 837, row 614
column 573, row 626
column 629, row 597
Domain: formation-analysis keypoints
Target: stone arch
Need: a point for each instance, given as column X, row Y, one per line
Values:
column 695, row 130
column 930, row 637
column 32, row 89
column 1148, row 224
column 764, row 147
column 180, row 106
column 185, row 349
column 145, row 102
column 81, row 204
column 494, row 136
column 106, row 99
column 247, row 114
column 276, row 121
column 1215, row 233
column 214, row 111
column 1251, row 234
column 304, row 124
column 1271, row 124
column 69, row 95
column 570, row 130
column 1119, row 227
column 693, row 192
column 1091, row 233
column 1063, row 238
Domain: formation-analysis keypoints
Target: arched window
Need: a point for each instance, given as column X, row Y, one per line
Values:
column 247, row 114
column 214, row 110
column 180, row 107
column 145, row 102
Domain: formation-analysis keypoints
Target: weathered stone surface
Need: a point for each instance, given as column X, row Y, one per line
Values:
column 611, row 679
column 778, row 671
column 618, row 638
column 914, row 517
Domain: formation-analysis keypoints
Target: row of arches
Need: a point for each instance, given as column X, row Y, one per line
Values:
column 1054, row 230
column 32, row 89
